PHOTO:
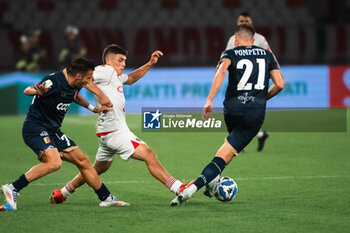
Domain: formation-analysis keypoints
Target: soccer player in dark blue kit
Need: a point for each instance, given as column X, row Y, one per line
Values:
column 249, row 67
column 41, row 131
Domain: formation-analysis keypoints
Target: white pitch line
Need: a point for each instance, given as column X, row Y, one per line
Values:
column 238, row 178
column 105, row 182
column 293, row 177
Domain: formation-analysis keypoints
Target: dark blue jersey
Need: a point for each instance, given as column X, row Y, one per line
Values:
column 49, row 110
column 248, row 78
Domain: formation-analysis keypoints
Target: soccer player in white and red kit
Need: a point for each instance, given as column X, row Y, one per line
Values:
column 114, row 135
column 260, row 41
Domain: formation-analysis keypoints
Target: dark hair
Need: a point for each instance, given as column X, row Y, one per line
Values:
column 245, row 28
column 245, row 14
column 80, row 65
column 114, row 49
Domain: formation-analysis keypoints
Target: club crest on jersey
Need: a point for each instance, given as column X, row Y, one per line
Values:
column 120, row 89
column 43, row 134
column 63, row 94
column 63, row 107
column 47, row 140
column 152, row 120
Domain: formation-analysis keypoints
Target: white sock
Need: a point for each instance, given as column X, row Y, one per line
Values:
column 260, row 134
column 67, row 190
column 173, row 184
column 11, row 186
column 192, row 189
column 176, row 186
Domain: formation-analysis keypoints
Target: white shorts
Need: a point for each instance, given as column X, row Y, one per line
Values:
column 121, row 142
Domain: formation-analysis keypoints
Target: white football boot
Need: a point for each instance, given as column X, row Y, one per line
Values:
column 209, row 189
column 183, row 195
column 11, row 195
column 113, row 201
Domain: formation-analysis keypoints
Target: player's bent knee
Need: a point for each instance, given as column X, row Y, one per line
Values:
column 78, row 158
column 54, row 165
column 83, row 162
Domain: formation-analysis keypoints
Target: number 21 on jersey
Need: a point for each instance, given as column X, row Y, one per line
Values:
column 243, row 83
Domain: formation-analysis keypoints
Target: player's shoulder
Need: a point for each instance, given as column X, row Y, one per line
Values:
column 53, row 78
column 104, row 69
column 266, row 51
column 258, row 36
column 55, row 75
column 103, row 73
column 228, row 52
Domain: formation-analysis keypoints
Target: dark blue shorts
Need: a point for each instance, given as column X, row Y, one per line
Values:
column 39, row 138
column 242, row 129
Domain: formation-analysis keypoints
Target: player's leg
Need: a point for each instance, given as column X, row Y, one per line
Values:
column 104, row 159
column 242, row 130
column 262, row 136
column 100, row 167
column 59, row 196
column 223, row 156
column 51, row 161
column 78, row 158
column 39, row 141
column 75, row 156
column 146, row 154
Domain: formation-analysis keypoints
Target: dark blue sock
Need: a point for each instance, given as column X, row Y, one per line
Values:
column 102, row 193
column 214, row 168
column 20, row 183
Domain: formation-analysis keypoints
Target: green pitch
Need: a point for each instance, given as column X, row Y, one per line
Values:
column 299, row 183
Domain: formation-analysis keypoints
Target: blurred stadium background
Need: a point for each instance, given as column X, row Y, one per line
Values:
column 298, row 183
column 313, row 46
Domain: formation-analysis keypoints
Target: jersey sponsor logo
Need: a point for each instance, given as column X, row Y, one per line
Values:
column 63, row 107
column 246, row 98
column 152, row 120
column 120, row 89
column 47, row 140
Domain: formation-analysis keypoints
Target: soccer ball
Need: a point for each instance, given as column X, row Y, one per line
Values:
column 226, row 189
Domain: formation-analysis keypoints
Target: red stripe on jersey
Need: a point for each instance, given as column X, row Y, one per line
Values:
column 104, row 133
column 135, row 144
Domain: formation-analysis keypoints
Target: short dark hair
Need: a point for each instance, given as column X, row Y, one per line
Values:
column 245, row 14
column 114, row 49
column 245, row 28
column 80, row 65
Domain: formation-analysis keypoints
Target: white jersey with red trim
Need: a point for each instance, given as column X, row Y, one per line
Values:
column 259, row 40
column 107, row 79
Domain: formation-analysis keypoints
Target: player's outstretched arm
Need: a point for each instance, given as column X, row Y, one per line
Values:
column 140, row 72
column 83, row 102
column 103, row 98
column 278, row 83
column 218, row 79
column 38, row 89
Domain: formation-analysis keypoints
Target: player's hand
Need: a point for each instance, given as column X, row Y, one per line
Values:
column 41, row 89
column 155, row 56
column 105, row 101
column 103, row 109
column 207, row 110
